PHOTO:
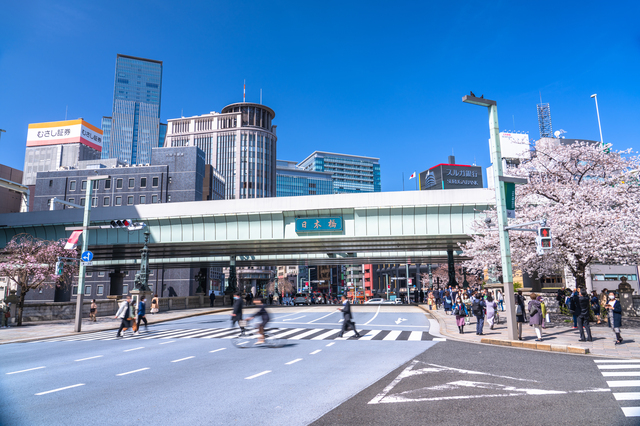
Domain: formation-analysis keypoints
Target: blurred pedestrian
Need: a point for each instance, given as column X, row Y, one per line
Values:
column 236, row 313
column 431, row 301
column 212, row 298
column 347, row 317
column 595, row 305
column 125, row 315
column 574, row 306
column 535, row 315
column 520, row 315
column 155, row 304
column 477, row 308
column 448, row 303
column 6, row 314
column 543, row 308
column 500, row 299
column 491, row 310
column 615, row 316
column 467, row 303
column 584, row 303
column 142, row 315
column 92, row 310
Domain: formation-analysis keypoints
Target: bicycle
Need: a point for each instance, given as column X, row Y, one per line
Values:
column 250, row 337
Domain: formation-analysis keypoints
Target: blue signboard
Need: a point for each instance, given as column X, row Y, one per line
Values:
column 87, row 256
column 319, row 224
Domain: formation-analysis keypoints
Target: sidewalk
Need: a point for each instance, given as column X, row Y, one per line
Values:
column 555, row 338
column 31, row 331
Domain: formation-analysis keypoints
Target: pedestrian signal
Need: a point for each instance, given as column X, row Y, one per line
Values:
column 59, row 268
column 543, row 240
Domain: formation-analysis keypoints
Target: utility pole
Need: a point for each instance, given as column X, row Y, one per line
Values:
column 501, row 208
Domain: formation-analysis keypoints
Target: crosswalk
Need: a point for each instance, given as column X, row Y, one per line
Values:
column 623, row 377
column 230, row 333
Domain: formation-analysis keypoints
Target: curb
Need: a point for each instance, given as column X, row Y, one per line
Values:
column 511, row 343
column 35, row 339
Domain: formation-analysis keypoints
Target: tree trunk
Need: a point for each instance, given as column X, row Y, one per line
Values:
column 23, row 293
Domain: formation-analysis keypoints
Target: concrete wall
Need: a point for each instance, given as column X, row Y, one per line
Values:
column 49, row 311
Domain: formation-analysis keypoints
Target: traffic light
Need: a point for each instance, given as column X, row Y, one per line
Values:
column 59, row 268
column 124, row 223
column 543, row 240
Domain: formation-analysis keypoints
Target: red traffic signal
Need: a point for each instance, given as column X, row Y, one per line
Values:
column 123, row 223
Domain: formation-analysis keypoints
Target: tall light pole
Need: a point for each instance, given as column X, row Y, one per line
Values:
column 501, row 207
column 85, row 246
column 595, row 96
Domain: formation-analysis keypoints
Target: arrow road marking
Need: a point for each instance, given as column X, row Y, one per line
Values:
column 399, row 320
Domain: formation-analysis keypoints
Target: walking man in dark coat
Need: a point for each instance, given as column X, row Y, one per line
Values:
column 347, row 317
column 212, row 298
column 584, row 303
column 236, row 313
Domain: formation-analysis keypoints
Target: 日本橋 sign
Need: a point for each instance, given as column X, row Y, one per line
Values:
column 319, row 224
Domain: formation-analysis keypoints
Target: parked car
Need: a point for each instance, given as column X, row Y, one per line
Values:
column 301, row 299
column 375, row 301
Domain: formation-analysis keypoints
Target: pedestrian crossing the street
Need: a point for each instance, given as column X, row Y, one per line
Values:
column 623, row 377
column 230, row 333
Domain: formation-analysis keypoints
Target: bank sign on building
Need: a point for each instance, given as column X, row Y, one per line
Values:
column 451, row 176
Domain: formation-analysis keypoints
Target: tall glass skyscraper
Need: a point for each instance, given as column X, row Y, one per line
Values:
column 350, row 173
column 134, row 126
column 292, row 181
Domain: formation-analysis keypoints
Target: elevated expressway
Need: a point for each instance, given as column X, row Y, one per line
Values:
column 384, row 227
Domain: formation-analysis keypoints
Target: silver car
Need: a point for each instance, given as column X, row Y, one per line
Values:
column 302, row 299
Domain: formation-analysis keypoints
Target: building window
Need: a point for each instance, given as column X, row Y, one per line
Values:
column 101, row 273
column 82, row 201
column 118, row 201
column 87, row 290
column 143, row 199
column 143, row 182
column 130, row 199
column 99, row 290
column 94, row 202
column 96, row 184
column 105, row 201
column 132, row 182
column 107, row 184
column 83, row 185
column 72, row 200
column 74, row 290
column 72, row 185
column 119, row 184
column 125, row 288
column 50, row 183
column 154, row 182
column 154, row 199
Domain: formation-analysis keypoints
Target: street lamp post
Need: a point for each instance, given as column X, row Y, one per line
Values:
column 501, row 207
column 85, row 246
column 595, row 96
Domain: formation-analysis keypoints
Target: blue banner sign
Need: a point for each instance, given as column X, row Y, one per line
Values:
column 319, row 224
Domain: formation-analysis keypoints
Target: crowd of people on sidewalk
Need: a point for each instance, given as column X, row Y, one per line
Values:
column 485, row 305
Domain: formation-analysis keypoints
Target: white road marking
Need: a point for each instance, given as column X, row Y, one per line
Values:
column 347, row 335
column 331, row 344
column 28, row 369
column 59, row 389
column 91, row 357
column 217, row 350
column 325, row 335
column 198, row 334
column 316, row 351
column 631, row 411
column 134, row 349
column 318, row 319
column 182, row 359
column 399, row 320
column 621, row 373
column 627, row 396
column 233, row 331
column 415, row 335
column 293, row 362
column 618, row 366
column 619, row 361
column 134, row 371
column 374, row 317
column 370, row 335
column 293, row 319
column 164, row 343
column 258, row 375
column 393, row 335
column 341, row 320
column 305, row 334
column 623, row 383
column 286, row 333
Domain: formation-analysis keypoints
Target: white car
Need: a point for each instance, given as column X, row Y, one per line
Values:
column 375, row 301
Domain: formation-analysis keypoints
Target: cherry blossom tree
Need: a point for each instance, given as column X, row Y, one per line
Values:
column 30, row 263
column 590, row 197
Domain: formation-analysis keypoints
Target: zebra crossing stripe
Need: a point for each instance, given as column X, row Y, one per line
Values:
column 325, row 335
column 224, row 332
column 308, row 333
column 393, row 335
column 370, row 335
column 415, row 335
column 288, row 333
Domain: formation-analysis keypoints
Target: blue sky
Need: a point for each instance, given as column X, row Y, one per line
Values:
column 377, row 78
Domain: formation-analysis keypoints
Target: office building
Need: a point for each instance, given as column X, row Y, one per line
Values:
column 292, row 180
column 350, row 173
column 451, row 176
column 239, row 142
column 134, row 127
column 10, row 201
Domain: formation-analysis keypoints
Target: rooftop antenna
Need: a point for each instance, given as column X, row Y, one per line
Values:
column 514, row 120
column 260, row 96
column 65, row 112
column 244, row 91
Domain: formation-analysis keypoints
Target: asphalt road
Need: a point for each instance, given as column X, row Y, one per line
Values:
column 188, row 372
